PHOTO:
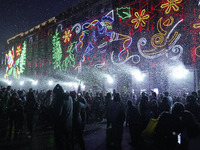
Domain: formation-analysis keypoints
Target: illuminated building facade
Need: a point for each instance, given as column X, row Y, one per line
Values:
column 142, row 41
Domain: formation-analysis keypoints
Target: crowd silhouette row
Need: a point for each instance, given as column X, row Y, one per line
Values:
column 155, row 122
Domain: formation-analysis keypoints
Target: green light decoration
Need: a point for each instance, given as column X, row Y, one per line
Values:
column 57, row 51
column 123, row 12
column 23, row 58
column 70, row 60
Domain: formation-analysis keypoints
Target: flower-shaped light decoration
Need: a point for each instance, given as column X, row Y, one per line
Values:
column 18, row 51
column 171, row 4
column 67, row 36
column 140, row 19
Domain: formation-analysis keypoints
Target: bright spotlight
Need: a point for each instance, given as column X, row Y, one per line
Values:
column 9, row 82
column 70, row 84
column 21, row 82
column 179, row 72
column 138, row 75
column 110, row 80
column 50, row 83
column 34, row 82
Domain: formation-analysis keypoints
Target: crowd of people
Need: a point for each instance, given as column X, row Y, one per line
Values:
column 155, row 122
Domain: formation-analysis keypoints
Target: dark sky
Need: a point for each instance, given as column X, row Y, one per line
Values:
column 18, row 16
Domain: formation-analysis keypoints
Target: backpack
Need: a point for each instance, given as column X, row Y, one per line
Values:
column 148, row 132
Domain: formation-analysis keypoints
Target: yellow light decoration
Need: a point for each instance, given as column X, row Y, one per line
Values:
column 159, row 27
column 26, row 32
column 169, row 21
column 67, row 36
column 140, row 19
column 31, row 29
column 44, row 23
column 171, row 4
column 91, row 23
column 196, row 25
column 18, row 51
column 21, row 34
column 6, row 76
column 197, row 49
column 158, row 39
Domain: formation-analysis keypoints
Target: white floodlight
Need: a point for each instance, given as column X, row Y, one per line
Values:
column 34, row 82
column 179, row 72
column 156, row 90
column 138, row 75
column 110, row 80
column 50, row 82
column 9, row 82
column 21, row 83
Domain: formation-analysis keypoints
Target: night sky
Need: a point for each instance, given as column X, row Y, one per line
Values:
column 18, row 16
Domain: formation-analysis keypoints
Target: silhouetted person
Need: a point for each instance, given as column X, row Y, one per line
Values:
column 133, row 120
column 31, row 106
column 193, row 106
column 168, row 128
column 116, row 118
column 190, row 135
column 77, row 131
column 63, row 108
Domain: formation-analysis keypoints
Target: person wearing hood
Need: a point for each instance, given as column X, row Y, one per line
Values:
column 63, row 112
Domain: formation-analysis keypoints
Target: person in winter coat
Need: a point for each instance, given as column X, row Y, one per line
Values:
column 133, row 119
column 11, row 108
column 77, row 131
column 31, row 106
column 63, row 112
column 116, row 118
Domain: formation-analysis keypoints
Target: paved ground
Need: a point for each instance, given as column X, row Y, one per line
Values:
column 94, row 137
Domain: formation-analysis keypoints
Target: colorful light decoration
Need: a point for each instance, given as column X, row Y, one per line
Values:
column 23, row 58
column 171, row 5
column 57, row 51
column 67, row 36
column 91, row 43
column 70, row 60
column 140, row 19
column 161, row 43
column 18, row 51
column 123, row 12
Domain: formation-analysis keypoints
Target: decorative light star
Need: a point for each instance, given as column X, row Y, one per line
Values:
column 171, row 4
column 18, row 51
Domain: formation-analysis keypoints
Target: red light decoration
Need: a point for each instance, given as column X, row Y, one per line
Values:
column 193, row 54
column 194, row 26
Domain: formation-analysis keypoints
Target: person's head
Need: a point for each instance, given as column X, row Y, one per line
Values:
column 58, row 90
column 73, row 94
column 79, row 94
column 166, row 93
column 198, row 92
column 177, row 109
column 165, row 100
column 153, row 94
column 15, row 95
column 8, row 88
column 117, row 97
column 190, row 99
column 190, row 124
column 129, row 103
column 194, row 94
column 144, row 100
column 108, row 96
